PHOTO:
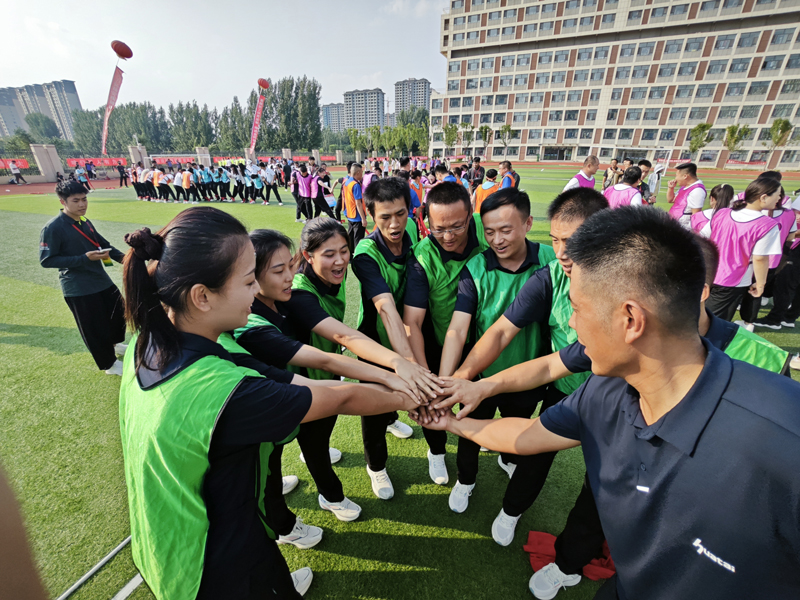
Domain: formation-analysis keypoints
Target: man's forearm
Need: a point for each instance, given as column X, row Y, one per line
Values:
column 510, row 435
column 417, row 342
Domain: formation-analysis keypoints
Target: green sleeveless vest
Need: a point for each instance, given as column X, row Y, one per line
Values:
column 751, row 348
column 561, row 334
column 395, row 276
column 443, row 279
column 496, row 291
column 334, row 306
column 412, row 230
column 253, row 320
column 166, row 435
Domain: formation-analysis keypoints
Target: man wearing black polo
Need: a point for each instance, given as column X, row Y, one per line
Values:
column 692, row 456
column 71, row 244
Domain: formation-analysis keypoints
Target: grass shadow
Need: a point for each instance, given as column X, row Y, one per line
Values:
column 60, row 340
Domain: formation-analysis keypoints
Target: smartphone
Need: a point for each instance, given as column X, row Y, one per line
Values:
column 104, row 250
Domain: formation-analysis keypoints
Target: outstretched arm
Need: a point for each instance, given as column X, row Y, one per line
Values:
column 355, row 399
column 488, row 348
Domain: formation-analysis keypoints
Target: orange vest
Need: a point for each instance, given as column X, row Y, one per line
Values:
column 482, row 194
column 511, row 177
column 350, row 210
column 156, row 177
column 419, row 190
column 187, row 179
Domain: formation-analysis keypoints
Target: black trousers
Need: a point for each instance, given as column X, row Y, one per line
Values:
column 724, row 301
column 258, row 193
column 273, row 188
column 305, row 206
column 224, row 189
column 321, row 206
column 786, row 291
column 151, row 190
column 101, row 321
column 373, row 434
column 166, row 192
column 582, row 538
column 123, row 178
column 356, row 232
column 338, row 208
column 315, row 440
column 280, row 519
column 193, row 191
column 18, row 177
column 180, row 194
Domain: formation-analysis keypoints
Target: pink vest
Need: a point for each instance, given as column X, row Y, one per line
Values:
column 681, row 199
column 735, row 242
column 700, row 219
column 617, row 198
column 583, row 181
column 366, row 180
column 785, row 221
column 304, row 185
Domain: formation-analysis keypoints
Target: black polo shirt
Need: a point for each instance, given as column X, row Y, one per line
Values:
column 373, row 284
column 63, row 245
column 534, row 301
column 268, row 344
column 259, row 410
column 304, row 312
column 705, row 502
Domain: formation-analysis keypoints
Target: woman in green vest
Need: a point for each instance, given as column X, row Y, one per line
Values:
column 315, row 314
column 194, row 424
column 267, row 337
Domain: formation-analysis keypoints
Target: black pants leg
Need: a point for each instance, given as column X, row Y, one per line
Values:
column 259, row 193
column 338, row 208
column 101, row 321
column 305, row 207
column 297, row 205
column 468, row 451
column 786, row 291
column 320, row 207
column 356, row 232
column 314, row 440
column 531, row 472
column 121, row 177
column 151, row 190
column 751, row 305
column 274, row 188
column 168, row 194
column 724, row 301
column 195, row 195
column 280, row 519
column 373, row 434
column 582, row 538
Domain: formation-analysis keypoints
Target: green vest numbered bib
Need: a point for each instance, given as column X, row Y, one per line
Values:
column 561, row 334
column 496, row 291
column 751, row 348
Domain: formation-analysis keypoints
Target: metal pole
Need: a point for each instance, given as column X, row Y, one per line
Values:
column 94, row 569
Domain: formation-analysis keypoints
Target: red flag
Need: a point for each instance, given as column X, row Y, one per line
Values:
column 256, row 123
column 116, row 82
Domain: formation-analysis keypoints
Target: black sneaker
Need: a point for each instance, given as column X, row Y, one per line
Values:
column 767, row 324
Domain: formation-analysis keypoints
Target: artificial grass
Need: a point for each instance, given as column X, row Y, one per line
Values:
column 60, row 444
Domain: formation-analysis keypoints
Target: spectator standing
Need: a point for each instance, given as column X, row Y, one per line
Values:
column 16, row 174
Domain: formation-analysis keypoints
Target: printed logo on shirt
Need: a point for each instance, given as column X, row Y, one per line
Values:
column 700, row 549
column 44, row 246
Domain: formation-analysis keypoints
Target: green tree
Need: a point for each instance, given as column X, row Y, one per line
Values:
column 42, row 127
column 504, row 135
column 779, row 134
column 87, row 130
column 450, row 131
column 19, row 143
column 467, row 134
column 699, row 138
column 309, row 129
column 286, row 114
column 422, row 139
column 373, row 138
column 357, row 140
column 233, row 131
column 190, row 126
column 485, row 132
column 734, row 136
column 413, row 115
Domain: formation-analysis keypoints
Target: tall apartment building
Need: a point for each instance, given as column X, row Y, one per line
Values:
column 56, row 100
column 363, row 108
column 620, row 77
column 390, row 120
column 333, row 117
column 412, row 92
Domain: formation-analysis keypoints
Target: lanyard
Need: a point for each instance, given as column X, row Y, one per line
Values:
column 93, row 242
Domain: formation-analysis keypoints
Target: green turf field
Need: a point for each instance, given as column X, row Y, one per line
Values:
column 59, row 443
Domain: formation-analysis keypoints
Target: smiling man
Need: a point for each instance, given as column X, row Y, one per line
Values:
column 71, row 244
column 488, row 285
column 663, row 424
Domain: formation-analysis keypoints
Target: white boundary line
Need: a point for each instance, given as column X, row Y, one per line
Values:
column 129, row 588
column 94, row 569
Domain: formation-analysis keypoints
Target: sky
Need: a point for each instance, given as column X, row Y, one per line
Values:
column 212, row 51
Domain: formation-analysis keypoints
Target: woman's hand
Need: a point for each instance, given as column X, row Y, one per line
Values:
column 427, row 384
column 396, row 384
column 430, row 418
column 461, row 391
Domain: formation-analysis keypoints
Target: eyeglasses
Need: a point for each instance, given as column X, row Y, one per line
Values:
column 440, row 233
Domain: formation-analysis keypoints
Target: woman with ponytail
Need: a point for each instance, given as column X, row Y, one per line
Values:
column 196, row 426
column 746, row 239
column 315, row 313
column 721, row 196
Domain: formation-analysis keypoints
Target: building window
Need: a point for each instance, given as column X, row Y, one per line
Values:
column 487, row 100
column 667, row 70
column 534, row 134
column 436, row 104
column 627, row 50
column 708, row 156
column 748, row 40
column 634, row 15
column 772, row 63
column 575, row 96
column 545, row 58
column 724, row 42
column 623, row 73
column 646, row 48
column 679, row 9
column 638, row 93
column 495, row 15
column 569, row 23
column 586, row 134
column 543, row 78
column 612, row 114
column 781, row 111
column 472, row 35
column 659, row 12
column 601, row 52
column 677, row 114
column 530, row 28
column 705, row 90
column 512, row 12
column 570, row 134
column 709, row 5
column 558, row 97
column 436, row 121
column 657, row 92
column 454, row 120
column 583, row 151
column 548, row 8
column 505, row 80
column 487, row 63
column 586, row 21
column 501, row 99
column 651, row 114
column 673, row 46
column 571, row 115
column 694, row 44
column 555, row 115
column 684, row 91
column 610, row 134
column 455, row 102
column 499, row 118
column 687, row 68
column 547, row 26
column 459, row 20
column 521, row 99
column 457, row 4
column 474, row 18
column 550, row 134
column 598, row 74
column 758, row 88
column 591, row 115
column 486, row 82
column 523, row 60
column 793, row 62
column 467, row 101
column 736, row 89
column 473, row 65
column 437, row 137
column 508, row 31
column 537, row 97
column 726, row 112
column 616, row 93
column 572, row 4
column 790, row 156
column 535, row 116
column 486, row 118
column 633, row 114
column 668, row 134
column 625, row 134
column 584, row 54
column 559, row 76
column 454, row 67
column 782, row 36
column 532, row 10
column 493, row 32
column 472, row 84
column 562, row 56
column 640, row 72
column 716, row 67
column 649, row 134
column 581, row 75
column 608, row 18
column 519, row 117
column 791, row 86
column 521, row 80
column 452, row 85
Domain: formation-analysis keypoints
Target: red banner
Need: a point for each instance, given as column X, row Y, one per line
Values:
column 744, row 162
column 5, row 163
column 256, row 123
column 99, row 162
column 116, row 83
column 327, row 158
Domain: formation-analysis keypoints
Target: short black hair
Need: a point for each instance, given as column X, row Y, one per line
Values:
column 387, row 189
column 405, row 161
column 631, row 175
column 440, row 168
column 477, row 159
column 609, row 247
column 645, row 163
column 508, row 197
column 416, row 173
column 448, row 192
column 710, row 257
column 69, row 187
column 576, row 204
column 506, row 164
column 266, row 242
column 690, row 168
column 491, row 173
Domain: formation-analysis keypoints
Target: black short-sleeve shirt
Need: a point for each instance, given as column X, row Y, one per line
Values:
column 304, row 311
column 270, row 345
column 534, row 301
column 705, row 502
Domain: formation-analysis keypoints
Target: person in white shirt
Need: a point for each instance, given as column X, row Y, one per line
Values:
column 584, row 177
column 15, row 172
column 625, row 193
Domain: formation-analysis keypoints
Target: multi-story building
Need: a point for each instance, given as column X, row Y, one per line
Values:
column 412, row 92
column 391, row 120
column 333, row 117
column 56, row 100
column 363, row 108
column 620, row 77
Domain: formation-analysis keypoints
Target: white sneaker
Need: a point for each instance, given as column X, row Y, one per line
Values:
column 485, row 449
column 289, row 483
column 381, row 484
column 507, row 467
column 400, row 430
column 336, row 456
column 437, row 468
column 120, row 349
column 459, row 497
column 280, row 203
column 302, row 580
column 116, row 368
column 302, row 536
column 346, row 510
column 795, row 363
column 788, row 324
column 549, row 580
column 504, row 527
column 749, row 326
